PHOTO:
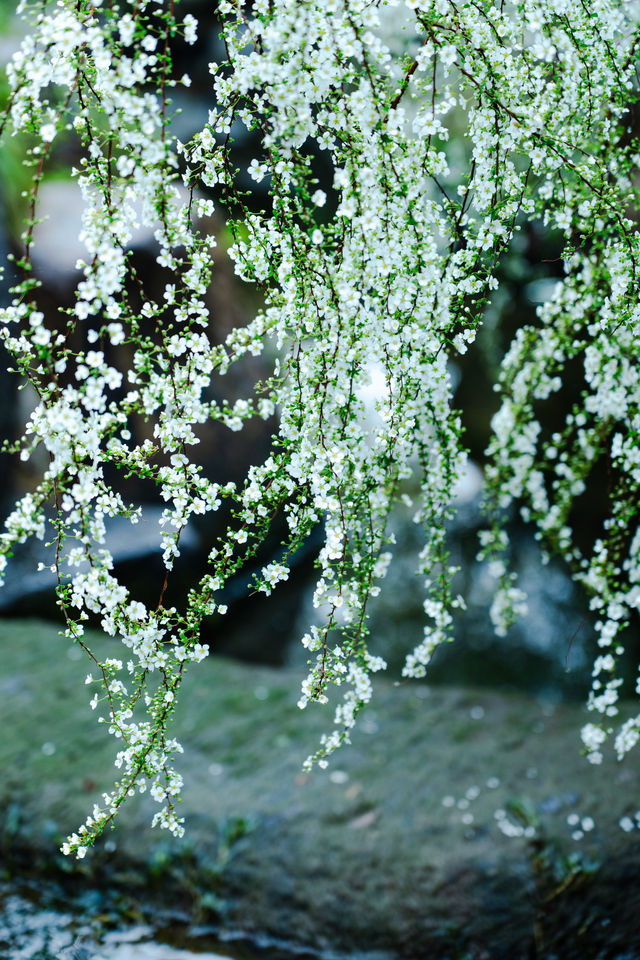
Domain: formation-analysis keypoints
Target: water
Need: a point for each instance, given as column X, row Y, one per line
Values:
column 33, row 929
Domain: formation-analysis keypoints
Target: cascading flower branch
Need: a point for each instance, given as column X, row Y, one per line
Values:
column 446, row 126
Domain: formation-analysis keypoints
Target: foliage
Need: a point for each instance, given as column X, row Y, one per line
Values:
column 441, row 145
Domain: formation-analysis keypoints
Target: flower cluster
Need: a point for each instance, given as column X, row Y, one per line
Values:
column 444, row 125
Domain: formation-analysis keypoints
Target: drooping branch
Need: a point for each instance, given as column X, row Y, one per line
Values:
column 382, row 269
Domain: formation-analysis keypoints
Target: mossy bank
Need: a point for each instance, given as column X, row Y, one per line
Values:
column 401, row 847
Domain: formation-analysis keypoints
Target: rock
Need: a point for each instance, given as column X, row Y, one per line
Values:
column 546, row 652
column 461, row 823
column 57, row 245
column 128, row 543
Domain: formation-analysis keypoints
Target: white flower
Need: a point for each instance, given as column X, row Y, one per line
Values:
column 190, row 26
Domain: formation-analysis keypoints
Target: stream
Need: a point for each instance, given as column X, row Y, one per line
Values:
column 33, row 927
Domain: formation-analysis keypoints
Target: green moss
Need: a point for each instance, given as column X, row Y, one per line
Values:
column 273, row 850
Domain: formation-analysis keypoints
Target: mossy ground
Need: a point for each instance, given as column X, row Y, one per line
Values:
column 364, row 856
